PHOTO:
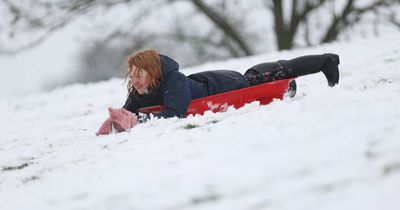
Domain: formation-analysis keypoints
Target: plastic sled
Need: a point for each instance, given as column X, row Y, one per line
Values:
column 264, row 93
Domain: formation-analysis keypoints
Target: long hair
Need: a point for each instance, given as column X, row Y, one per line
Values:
column 146, row 60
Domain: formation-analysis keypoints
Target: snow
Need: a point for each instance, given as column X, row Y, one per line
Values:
column 325, row 149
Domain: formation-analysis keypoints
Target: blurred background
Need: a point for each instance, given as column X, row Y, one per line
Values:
column 45, row 44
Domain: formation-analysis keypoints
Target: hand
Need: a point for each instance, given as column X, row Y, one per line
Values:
column 105, row 128
column 122, row 119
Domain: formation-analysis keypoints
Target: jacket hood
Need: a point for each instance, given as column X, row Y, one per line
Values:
column 168, row 65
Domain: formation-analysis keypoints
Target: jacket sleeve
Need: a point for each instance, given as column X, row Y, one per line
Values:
column 177, row 96
column 131, row 104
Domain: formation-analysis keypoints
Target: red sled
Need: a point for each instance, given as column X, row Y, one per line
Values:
column 264, row 93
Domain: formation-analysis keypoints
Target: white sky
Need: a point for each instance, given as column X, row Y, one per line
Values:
column 27, row 71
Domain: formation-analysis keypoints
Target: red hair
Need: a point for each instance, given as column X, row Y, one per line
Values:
column 146, row 60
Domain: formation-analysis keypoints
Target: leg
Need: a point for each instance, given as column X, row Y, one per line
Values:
column 253, row 77
column 271, row 72
column 310, row 64
column 266, row 72
column 300, row 66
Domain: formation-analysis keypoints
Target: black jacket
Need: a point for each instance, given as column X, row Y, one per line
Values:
column 176, row 90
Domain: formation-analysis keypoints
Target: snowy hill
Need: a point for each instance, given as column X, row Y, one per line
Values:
column 327, row 148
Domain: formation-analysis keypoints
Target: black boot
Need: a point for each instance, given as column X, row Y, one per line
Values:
column 330, row 69
column 310, row 64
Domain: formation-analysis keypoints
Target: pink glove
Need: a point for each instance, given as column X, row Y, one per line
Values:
column 105, row 127
column 122, row 119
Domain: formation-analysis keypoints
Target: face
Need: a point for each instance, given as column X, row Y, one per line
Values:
column 140, row 80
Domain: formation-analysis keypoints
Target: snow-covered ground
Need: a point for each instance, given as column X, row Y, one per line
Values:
column 326, row 148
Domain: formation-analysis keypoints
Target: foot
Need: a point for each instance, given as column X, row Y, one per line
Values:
column 330, row 69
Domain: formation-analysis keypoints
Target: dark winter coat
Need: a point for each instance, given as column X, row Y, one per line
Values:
column 176, row 90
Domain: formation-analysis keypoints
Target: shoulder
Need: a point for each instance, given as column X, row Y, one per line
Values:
column 174, row 79
column 168, row 64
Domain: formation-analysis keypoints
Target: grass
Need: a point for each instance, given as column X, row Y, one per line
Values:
column 190, row 126
column 30, row 179
column 207, row 198
column 213, row 121
column 391, row 168
column 16, row 167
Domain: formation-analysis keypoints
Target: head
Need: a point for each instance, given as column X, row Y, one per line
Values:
column 144, row 71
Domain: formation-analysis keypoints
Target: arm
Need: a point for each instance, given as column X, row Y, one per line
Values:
column 131, row 104
column 120, row 119
column 177, row 96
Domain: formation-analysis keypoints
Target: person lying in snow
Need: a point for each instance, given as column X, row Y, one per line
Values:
column 154, row 79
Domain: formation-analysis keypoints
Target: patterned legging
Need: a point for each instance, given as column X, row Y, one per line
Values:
column 278, row 73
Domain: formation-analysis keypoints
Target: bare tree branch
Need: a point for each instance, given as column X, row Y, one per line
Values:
column 224, row 25
column 286, row 31
column 65, row 12
column 342, row 21
column 391, row 18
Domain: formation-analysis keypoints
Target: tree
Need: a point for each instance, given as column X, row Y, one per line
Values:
column 223, row 33
column 42, row 18
column 286, row 29
column 224, row 25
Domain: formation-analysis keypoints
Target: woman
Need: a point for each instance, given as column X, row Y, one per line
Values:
column 154, row 79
